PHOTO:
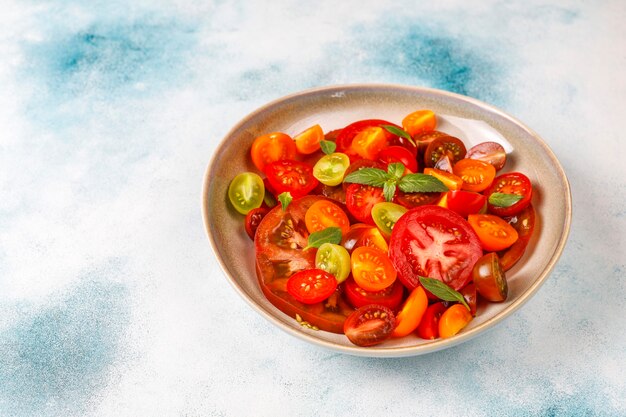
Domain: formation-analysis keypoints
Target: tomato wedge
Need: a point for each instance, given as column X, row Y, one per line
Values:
column 308, row 141
column 429, row 325
column 420, row 121
column 360, row 199
column 348, row 133
column 364, row 235
column 311, row 285
column 390, row 297
column 453, row 182
column 369, row 142
column 465, row 202
column 412, row 312
column 371, row 269
column 476, row 175
column 453, row 320
column 323, row 214
column 272, row 147
column 510, row 183
column 494, row 233
column 291, row 176
column 432, row 241
column 369, row 325
column 524, row 223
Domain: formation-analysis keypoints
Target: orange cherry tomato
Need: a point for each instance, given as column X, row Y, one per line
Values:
column 308, row 141
column 369, row 142
column 453, row 182
column 323, row 214
column 361, row 234
column 419, row 122
column 371, row 269
column 453, row 320
column 412, row 312
column 429, row 326
column 494, row 233
column 477, row 175
column 272, row 147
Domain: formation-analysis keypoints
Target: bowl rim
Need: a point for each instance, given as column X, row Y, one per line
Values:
column 376, row 351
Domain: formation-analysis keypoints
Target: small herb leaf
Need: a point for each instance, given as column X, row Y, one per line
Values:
column 328, row 146
column 421, row 183
column 399, row 132
column 285, row 198
column 368, row 176
column 389, row 190
column 328, row 235
column 395, row 169
column 503, row 200
column 442, row 290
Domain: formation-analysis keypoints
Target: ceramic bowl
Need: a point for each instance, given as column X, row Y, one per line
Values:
column 335, row 107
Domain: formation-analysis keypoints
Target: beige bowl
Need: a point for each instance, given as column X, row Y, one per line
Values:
column 335, row 107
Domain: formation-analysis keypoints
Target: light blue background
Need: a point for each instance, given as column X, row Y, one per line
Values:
column 111, row 301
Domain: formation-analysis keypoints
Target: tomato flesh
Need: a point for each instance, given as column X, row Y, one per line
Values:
column 272, row 147
column 448, row 146
column 323, row 214
column 330, row 169
column 420, row 121
column 386, row 215
column 291, row 176
column 369, row 325
column 411, row 314
column 476, row 175
column 494, row 233
column 364, row 235
column 453, row 320
column 510, row 183
column 308, row 141
column 360, row 199
column 490, row 152
column 390, row 297
column 371, row 269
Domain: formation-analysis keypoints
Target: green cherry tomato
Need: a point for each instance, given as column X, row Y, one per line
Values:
column 329, row 169
column 246, row 192
column 333, row 259
column 386, row 215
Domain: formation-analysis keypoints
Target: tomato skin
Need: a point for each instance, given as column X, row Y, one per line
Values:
column 444, row 146
column 369, row 325
column 524, row 223
column 420, row 121
column 272, row 147
column 371, row 269
column 253, row 219
column 429, row 325
column 490, row 152
column 453, row 320
column 490, row 279
column 390, row 297
column 411, row 314
column 308, row 141
column 291, row 176
column 465, row 202
column 421, row 244
column 311, row 285
column 510, row 183
column 398, row 154
column 323, row 214
column 360, row 199
column 494, row 233
column 364, row 235
column 476, row 175
column 469, row 293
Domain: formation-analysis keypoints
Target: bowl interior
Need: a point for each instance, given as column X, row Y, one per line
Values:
column 335, row 107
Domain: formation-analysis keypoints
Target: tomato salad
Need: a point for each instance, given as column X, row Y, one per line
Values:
column 380, row 230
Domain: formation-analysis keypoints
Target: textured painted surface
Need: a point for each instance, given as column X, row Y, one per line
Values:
column 111, row 302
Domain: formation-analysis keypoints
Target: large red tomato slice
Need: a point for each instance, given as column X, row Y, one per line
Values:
column 435, row 242
column 279, row 240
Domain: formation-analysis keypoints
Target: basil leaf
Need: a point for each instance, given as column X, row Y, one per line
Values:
column 399, row 132
column 504, row 200
column 389, row 190
column 396, row 169
column 442, row 290
column 328, row 235
column 328, row 146
column 368, row 176
column 285, row 199
column 421, row 183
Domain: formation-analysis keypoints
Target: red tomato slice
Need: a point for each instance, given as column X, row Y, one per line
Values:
column 272, row 147
column 360, row 199
column 510, row 183
column 429, row 326
column 311, row 285
column 435, row 242
column 348, row 133
column 279, row 241
column 465, row 202
column 398, row 154
column 292, row 176
column 390, row 297
column 369, row 325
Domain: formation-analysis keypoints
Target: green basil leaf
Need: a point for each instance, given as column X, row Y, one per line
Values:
column 328, row 146
column 389, row 190
column 368, row 176
column 399, row 132
column 421, row 183
column 328, row 235
column 504, row 200
column 285, row 199
column 396, row 169
column 442, row 290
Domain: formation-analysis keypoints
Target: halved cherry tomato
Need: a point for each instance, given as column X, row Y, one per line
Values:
column 253, row 219
column 333, row 259
column 489, row 278
column 419, row 122
column 308, row 141
column 323, row 214
column 311, row 285
column 410, row 200
column 390, row 297
column 451, row 181
column 465, row 202
column 246, row 192
column 429, row 325
column 510, row 183
column 424, row 139
column 386, row 215
column 524, row 223
column 369, row 325
column 432, row 241
column 348, row 133
column 292, row 176
column 453, row 320
column 476, row 175
column 369, row 142
column 272, row 147
column 494, row 233
column 330, row 169
column 411, row 314
column 371, row 269
column 490, row 152
column 445, row 145
column 364, row 235
column 398, row 154
column 360, row 200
